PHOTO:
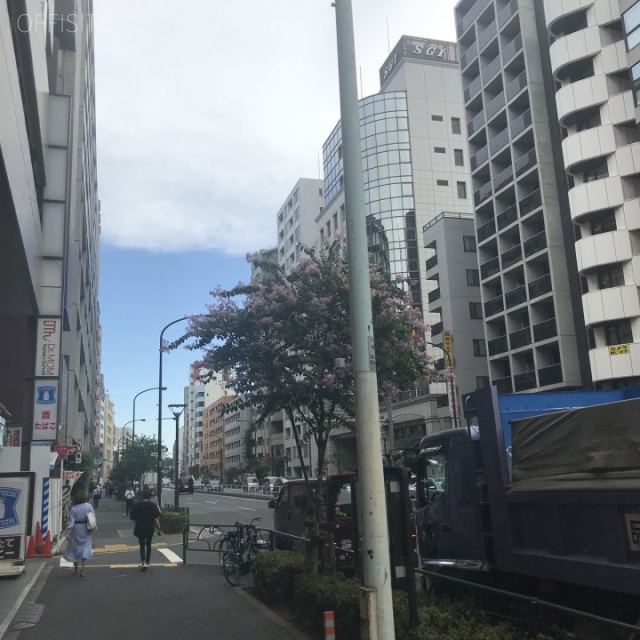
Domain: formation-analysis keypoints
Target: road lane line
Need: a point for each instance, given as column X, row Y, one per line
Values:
column 170, row 555
column 247, row 509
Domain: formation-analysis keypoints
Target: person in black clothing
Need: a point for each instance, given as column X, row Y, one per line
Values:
column 146, row 514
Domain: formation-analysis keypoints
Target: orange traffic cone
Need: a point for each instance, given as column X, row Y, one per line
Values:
column 31, row 548
column 39, row 540
column 47, row 552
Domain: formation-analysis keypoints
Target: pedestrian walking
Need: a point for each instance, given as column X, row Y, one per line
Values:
column 97, row 494
column 146, row 514
column 129, row 495
column 79, row 547
column 154, row 499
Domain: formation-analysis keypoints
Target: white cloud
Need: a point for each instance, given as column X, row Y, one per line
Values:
column 208, row 112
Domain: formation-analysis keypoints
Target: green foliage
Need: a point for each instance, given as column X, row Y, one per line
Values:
column 140, row 456
column 173, row 521
column 280, row 580
column 275, row 573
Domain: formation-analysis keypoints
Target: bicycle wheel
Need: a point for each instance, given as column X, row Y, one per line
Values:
column 232, row 569
column 225, row 545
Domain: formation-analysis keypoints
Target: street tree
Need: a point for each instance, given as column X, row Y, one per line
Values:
column 140, row 457
column 282, row 335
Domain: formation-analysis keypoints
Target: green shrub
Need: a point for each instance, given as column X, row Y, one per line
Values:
column 173, row 521
column 274, row 574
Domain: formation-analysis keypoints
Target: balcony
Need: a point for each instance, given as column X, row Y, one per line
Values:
column 476, row 122
column 479, row 158
column 503, row 385
column 482, row 193
column 491, row 69
column 535, row 243
column 464, row 23
column 530, row 203
column 507, row 217
column 545, row 330
column 550, row 375
column 505, row 176
column 432, row 262
column 436, row 329
column 499, row 142
column 511, row 256
column 468, row 55
column 520, row 338
column 497, row 345
column 521, row 123
column 525, row 162
column 434, row 295
column 525, row 381
column 493, row 306
column 516, row 86
column 516, row 296
column 539, row 286
column 494, row 106
column 505, row 14
column 487, row 35
column 486, row 230
column 490, row 268
column 511, row 49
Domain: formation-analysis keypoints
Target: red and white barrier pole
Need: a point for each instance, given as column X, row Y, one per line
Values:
column 329, row 626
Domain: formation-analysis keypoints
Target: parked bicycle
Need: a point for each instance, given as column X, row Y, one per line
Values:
column 241, row 547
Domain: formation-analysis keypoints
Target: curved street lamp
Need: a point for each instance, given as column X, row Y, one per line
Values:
column 124, row 428
column 133, row 429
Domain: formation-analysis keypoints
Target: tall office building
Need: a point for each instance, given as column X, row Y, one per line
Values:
column 591, row 75
column 49, row 225
column 528, row 274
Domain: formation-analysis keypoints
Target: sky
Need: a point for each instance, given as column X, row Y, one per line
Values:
column 207, row 113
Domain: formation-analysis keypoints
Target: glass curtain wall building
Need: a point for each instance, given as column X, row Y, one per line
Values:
column 388, row 184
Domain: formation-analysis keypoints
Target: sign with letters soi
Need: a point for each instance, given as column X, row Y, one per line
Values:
column 16, row 507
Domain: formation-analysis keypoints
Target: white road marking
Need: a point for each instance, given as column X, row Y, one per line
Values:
column 170, row 555
column 247, row 509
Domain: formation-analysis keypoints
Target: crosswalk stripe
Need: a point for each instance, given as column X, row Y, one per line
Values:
column 170, row 555
column 131, row 565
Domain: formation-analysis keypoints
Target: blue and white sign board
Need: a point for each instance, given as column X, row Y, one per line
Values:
column 16, row 507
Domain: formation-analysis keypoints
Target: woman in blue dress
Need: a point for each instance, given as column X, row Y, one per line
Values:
column 79, row 548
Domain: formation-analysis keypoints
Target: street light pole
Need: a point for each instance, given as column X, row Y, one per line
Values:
column 133, row 429
column 177, row 410
column 376, row 594
column 452, row 389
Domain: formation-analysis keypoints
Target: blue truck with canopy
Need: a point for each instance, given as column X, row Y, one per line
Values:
column 546, row 485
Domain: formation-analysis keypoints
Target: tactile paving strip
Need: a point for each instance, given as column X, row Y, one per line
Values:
column 28, row 616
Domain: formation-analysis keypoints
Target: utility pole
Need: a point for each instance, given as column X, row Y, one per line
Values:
column 375, row 601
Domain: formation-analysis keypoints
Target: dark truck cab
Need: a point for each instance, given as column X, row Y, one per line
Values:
column 547, row 486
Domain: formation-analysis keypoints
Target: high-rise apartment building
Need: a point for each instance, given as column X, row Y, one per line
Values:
column 591, row 75
column 49, row 225
column 528, row 275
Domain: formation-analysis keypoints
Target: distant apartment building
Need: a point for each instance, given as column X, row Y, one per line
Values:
column 530, row 288
column 108, row 437
column 49, row 228
column 212, row 459
column 295, row 220
column 593, row 75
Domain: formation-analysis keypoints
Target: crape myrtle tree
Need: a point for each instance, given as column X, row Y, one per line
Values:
column 281, row 336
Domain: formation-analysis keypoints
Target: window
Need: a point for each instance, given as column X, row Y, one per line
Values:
column 437, row 118
column 469, row 243
column 475, row 310
column 603, row 223
column 479, row 348
column 320, row 191
column 462, row 190
column 458, row 157
column 631, row 21
column 612, row 277
column 618, row 332
column 439, row 150
column 482, row 382
column 455, row 125
column 473, row 277
column 442, row 183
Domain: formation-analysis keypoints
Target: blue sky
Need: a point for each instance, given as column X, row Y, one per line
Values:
column 207, row 113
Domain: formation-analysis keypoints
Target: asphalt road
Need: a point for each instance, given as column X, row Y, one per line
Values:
column 169, row 601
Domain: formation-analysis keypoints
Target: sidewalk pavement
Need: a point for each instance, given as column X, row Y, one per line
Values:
column 116, row 600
